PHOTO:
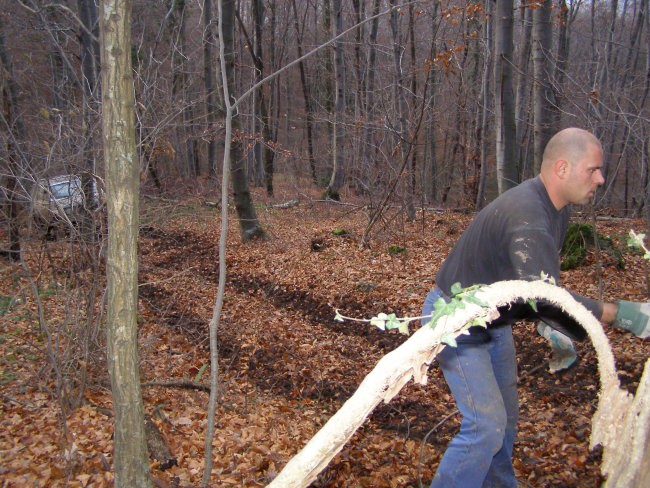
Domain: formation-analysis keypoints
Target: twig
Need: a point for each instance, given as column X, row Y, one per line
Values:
column 18, row 402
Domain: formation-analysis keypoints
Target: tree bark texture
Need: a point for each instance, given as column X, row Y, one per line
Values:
column 15, row 129
column 522, row 102
column 211, row 107
column 249, row 225
column 338, row 157
column 485, row 97
column 122, row 185
column 621, row 423
column 506, row 132
column 309, row 118
column 544, row 104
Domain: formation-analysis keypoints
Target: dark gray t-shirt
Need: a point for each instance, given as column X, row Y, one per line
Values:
column 516, row 237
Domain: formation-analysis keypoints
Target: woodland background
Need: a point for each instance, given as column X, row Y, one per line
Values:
column 425, row 106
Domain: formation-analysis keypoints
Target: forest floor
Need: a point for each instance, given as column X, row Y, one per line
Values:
column 285, row 365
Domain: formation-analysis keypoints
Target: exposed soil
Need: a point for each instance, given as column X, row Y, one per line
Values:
column 286, row 365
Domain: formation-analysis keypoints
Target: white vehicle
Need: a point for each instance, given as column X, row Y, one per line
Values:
column 60, row 200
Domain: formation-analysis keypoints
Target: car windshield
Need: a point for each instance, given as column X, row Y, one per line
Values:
column 64, row 189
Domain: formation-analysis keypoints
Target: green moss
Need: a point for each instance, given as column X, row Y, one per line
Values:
column 579, row 238
column 395, row 250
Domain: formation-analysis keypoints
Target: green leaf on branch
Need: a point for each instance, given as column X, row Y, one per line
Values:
column 637, row 241
column 456, row 289
column 479, row 321
column 404, row 328
column 379, row 321
column 392, row 322
column 476, row 301
column 449, row 339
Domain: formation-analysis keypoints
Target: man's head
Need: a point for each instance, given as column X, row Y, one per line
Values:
column 571, row 167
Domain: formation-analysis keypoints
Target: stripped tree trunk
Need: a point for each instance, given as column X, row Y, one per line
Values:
column 621, row 423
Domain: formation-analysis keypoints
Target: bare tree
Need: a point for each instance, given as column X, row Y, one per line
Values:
column 523, row 116
column 507, row 174
column 211, row 106
column 402, row 139
column 338, row 158
column 543, row 99
column 181, row 84
column 14, row 129
column 485, row 98
column 249, row 225
column 122, row 185
column 309, row 117
column 264, row 155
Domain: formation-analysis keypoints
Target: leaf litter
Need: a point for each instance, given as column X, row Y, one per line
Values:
column 286, row 365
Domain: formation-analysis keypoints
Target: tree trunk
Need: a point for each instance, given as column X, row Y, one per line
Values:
column 485, row 97
column 15, row 136
column 249, row 225
column 522, row 104
column 309, row 117
column 338, row 156
column 211, row 107
column 369, row 103
column 562, row 56
column 410, row 208
column 430, row 159
column 90, row 87
column 122, row 186
column 543, row 99
column 506, row 132
column 264, row 155
column 399, row 102
column 181, row 88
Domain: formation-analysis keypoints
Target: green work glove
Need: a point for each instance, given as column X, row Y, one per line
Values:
column 563, row 354
column 635, row 317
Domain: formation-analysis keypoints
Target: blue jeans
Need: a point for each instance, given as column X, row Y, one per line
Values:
column 483, row 379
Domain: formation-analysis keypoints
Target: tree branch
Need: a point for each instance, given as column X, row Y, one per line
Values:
column 617, row 424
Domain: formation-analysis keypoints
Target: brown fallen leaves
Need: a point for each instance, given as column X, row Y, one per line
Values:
column 285, row 365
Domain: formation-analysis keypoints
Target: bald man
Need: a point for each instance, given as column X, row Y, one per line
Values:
column 517, row 236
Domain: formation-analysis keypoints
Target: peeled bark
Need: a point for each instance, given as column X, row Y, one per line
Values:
column 621, row 423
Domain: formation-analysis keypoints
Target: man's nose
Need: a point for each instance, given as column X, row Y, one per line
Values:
column 599, row 178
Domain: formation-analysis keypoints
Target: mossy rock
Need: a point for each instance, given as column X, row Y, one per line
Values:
column 579, row 238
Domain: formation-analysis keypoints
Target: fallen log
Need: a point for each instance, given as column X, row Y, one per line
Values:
column 621, row 423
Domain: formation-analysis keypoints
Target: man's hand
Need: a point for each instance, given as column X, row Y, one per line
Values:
column 635, row 317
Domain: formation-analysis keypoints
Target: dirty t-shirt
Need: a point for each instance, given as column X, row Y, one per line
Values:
column 516, row 237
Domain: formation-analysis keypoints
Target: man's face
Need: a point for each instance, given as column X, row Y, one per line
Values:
column 585, row 176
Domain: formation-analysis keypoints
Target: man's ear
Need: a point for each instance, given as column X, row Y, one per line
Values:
column 561, row 167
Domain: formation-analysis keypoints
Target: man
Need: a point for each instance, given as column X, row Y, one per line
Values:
column 517, row 236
